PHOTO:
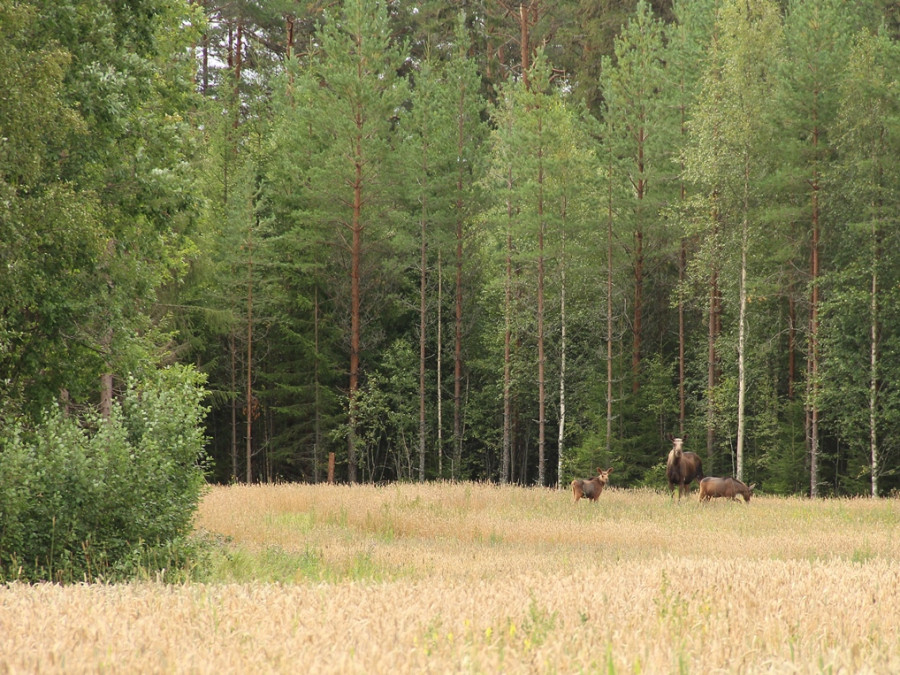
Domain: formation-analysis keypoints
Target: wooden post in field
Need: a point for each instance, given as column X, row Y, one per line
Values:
column 331, row 468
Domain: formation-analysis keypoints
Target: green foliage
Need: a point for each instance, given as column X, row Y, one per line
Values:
column 104, row 498
column 860, row 322
column 386, row 413
column 95, row 189
column 341, row 157
column 705, row 148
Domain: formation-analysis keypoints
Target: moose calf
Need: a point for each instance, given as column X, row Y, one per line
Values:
column 591, row 488
column 730, row 488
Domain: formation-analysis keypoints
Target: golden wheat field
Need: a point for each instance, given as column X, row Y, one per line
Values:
column 471, row 578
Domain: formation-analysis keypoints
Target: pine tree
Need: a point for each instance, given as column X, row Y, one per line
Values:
column 733, row 175
column 817, row 39
column 444, row 142
column 641, row 127
column 859, row 364
column 348, row 100
column 686, row 41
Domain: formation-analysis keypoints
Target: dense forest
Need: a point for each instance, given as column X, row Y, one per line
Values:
column 464, row 239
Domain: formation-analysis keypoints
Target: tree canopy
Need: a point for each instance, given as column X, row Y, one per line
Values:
column 426, row 238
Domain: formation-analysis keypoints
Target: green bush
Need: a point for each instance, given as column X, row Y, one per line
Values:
column 96, row 498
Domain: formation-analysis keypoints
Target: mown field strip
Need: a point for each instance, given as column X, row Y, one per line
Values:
column 482, row 579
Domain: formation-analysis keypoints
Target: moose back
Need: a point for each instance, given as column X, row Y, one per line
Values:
column 730, row 488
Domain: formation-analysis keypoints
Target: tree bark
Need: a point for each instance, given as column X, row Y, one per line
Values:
column 422, row 281
column 234, row 399
column 440, row 347
column 238, row 62
column 712, row 370
column 507, row 340
column 317, row 440
column 637, row 325
column 458, row 360
column 249, row 391
column 792, row 341
column 874, row 335
column 609, row 308
column 523, row 44
column 560, row 446
column 682, row 264
column 106, row 395
column 542, row 395
column 457, row 354
column 742, row 327
column 813, row 403
column 873, row 368
column 355, row 259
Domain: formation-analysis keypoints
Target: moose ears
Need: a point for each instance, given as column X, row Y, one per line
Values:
column 600, row 470
column 672, row 437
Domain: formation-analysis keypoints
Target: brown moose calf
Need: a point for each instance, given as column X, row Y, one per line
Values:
column 591, row 488
column 730, row 488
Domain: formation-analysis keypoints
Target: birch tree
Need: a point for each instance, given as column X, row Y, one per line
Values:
column 749, row 35
column 445, row 146
column 817, row 42
column 860, row 320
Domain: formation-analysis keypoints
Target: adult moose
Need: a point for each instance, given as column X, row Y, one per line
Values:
column 591, row 487
column 682, row 468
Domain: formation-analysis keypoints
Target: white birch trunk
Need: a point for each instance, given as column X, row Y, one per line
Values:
column 873, row 370
column 562, row 368
column 742, row 327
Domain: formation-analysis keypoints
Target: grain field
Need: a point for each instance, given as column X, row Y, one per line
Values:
column 470, row 578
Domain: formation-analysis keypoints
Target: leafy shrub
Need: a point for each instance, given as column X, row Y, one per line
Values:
column 97, row 498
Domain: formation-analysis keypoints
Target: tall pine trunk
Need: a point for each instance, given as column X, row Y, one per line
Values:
column 232, row 348
column 873, row 365
column 609, row 304
column 507, row 339
column 682, row 266
column 640, row 186
column 457, row 355
column 439, row 367
column 542, row 385
column 813, row 368
column 422, row 283
column 317, row 439
column 355, row 259
column 249, row 390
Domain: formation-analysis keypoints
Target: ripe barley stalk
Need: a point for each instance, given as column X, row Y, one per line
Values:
column 482, row 578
